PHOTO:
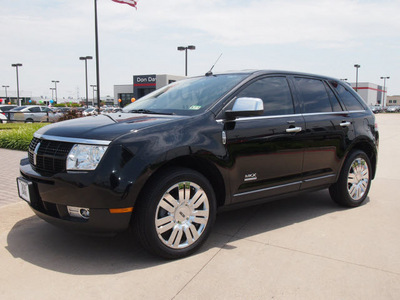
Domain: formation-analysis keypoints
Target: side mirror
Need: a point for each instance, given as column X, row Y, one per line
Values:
column 245, row 107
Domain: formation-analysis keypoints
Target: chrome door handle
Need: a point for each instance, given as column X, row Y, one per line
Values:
column 345, row 124
column 293, row 129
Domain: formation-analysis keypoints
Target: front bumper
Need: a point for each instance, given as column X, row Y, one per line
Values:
column 50, row 198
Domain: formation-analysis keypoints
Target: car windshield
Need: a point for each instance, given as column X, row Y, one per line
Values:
column 187, row 97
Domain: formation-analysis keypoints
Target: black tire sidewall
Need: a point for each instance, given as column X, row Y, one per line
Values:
column 339, row 191
column 145, row 224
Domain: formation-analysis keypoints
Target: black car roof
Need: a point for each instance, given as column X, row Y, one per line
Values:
column 267, row 72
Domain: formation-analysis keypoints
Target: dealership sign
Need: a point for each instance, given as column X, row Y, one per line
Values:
column 144, row 80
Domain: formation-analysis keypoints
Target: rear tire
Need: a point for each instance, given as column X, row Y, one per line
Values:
column 175, row 214
column 354, row 181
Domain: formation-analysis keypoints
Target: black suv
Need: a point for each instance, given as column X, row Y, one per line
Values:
column 166, row 163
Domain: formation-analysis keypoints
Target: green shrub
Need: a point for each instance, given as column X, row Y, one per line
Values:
column 17, row 136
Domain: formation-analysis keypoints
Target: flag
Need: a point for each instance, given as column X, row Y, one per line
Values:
column 129, row 2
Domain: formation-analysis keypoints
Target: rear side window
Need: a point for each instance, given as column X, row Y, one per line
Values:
column 348, row 99
column 314, row 95
column 334, row 100
column 275, row 93
column 34, row 109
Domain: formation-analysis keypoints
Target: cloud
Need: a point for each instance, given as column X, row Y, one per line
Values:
column 49, row 36
column 325, row 23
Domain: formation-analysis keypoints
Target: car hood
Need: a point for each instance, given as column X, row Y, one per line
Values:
column 105, row 127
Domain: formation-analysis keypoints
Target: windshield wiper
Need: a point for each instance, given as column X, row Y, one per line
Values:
column 147, row 111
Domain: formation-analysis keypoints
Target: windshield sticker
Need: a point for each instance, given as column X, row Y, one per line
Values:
column 195, row 107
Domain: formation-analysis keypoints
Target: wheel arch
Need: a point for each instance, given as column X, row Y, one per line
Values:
column 369, row 150
column 204, row 167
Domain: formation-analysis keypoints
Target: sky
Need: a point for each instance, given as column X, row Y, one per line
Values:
column 321, row 37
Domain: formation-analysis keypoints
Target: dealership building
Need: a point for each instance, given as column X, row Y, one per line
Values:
column 141, row 86
column 371, row 93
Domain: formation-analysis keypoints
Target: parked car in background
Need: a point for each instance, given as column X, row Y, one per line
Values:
column 173, row 157
column 392, row 109
column 3, row 118
column 91, row 111
column 33, row 113
column 376, row 109
column 63, row 110
column 3, row 112
column 4, row 108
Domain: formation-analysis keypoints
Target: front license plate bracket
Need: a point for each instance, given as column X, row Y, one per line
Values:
column 25, row 189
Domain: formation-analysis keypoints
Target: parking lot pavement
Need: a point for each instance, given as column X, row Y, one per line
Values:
column 303, row 247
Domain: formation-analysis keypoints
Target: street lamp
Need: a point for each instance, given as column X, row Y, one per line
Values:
column 55, row 87
column 93, row 86
column 85, row 58
column 384, row 89
column 357, row 67
column 181, row 48
column 16, row 67
column 5, row 87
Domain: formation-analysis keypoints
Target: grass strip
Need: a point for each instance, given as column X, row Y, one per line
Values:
column 17, row 136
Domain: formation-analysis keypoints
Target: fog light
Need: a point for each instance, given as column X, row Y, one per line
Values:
column 79, row 212
column 85, row 213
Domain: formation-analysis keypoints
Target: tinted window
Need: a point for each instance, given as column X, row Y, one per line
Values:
column 6, row 108
column 34, row 109
column 275, row 93
column 187, row 97
column 334, row 100
column 18, row 108
column 348, row 99
column 314, row 95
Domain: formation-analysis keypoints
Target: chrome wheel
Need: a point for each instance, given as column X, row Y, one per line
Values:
column 358, row 179
column 182, row 215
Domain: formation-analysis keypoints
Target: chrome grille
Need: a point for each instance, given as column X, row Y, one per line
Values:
column 48, row 157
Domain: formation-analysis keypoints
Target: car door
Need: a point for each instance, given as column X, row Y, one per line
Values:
column 33, row 114
column 328, row 128
column 264, row 152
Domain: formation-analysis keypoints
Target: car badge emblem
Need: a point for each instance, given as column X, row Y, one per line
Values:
column 35, row 153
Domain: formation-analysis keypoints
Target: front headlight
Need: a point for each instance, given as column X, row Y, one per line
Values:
column 85, row 157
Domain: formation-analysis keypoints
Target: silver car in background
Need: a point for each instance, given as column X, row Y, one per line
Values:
column 33, row 113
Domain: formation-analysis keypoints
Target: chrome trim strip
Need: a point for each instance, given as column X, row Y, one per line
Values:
column 290, row 116
column 71, row 140
column 267, row 189
column 283, row 185
column 259, row 118
column 319, row 178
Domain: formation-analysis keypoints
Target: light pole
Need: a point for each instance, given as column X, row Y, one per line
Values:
column 16, row 67
column 55, row 87
column 384, row 89
column 5, row 87
column 93, row 86
column 181, row 48
column 85, row 58
column 357, row 67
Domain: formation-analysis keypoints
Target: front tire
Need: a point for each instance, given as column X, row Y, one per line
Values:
column 354, row 181
column 175, row 213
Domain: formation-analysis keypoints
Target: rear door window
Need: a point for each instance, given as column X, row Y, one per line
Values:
column 275, row 93
column 334, row 100
column 314, row 95
column 34, row 109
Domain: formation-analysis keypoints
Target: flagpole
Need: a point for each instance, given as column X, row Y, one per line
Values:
column 97, row 54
